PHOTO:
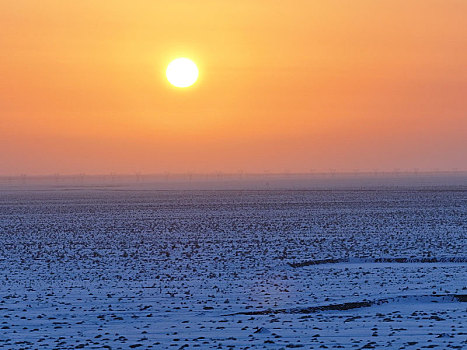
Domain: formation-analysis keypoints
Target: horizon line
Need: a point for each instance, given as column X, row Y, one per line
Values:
column 238, row 173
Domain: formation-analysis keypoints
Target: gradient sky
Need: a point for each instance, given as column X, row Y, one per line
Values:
column 284, row 86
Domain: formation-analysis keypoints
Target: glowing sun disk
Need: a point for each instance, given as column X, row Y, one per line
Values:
column 182, row 72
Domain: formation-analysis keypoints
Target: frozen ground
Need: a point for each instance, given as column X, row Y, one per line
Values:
column 233, row 269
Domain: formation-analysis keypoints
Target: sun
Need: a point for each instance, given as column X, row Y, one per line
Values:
column 182, row 72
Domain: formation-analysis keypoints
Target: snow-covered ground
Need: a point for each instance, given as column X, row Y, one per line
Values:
column 145, row 269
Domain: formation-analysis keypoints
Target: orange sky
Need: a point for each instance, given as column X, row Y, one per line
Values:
column 284, row 85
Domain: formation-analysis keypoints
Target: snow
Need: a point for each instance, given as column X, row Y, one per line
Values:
column 212, row 269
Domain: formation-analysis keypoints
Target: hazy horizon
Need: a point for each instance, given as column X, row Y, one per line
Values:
column 237, row 181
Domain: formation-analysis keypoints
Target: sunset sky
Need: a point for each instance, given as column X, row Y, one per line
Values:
column 283, row 86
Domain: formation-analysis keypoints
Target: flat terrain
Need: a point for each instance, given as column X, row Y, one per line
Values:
column 120, row 269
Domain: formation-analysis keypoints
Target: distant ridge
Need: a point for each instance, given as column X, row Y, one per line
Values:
column 412, row 260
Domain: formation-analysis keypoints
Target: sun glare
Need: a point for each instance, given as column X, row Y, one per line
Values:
column 182, row 72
